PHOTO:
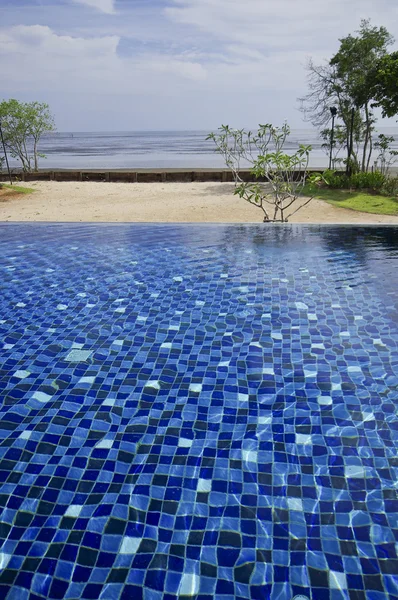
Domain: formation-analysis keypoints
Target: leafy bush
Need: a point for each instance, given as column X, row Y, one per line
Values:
column 375, row 181
column 390, row 187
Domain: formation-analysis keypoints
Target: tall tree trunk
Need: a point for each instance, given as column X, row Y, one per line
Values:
column 351, row 142
column 35, row 155
column 370, row 152
column 368, row 140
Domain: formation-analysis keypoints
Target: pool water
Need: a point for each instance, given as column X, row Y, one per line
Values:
column 198, row 411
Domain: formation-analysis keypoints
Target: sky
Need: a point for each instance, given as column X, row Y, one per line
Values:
column 123, row 65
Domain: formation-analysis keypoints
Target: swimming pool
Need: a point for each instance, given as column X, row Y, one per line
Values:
column 201, row 411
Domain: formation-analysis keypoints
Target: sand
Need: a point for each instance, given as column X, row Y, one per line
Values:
column 157, row 202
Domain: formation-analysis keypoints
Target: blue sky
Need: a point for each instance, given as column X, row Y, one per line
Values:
column 173, row 64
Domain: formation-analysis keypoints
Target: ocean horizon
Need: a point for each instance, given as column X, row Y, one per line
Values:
column 157, row 149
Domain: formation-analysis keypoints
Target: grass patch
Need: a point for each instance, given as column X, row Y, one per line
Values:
column 17, row 189
column 356, row 200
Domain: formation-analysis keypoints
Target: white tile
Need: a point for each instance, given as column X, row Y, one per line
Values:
column 301, row 306
column 204, row 485
column 356, row 471
column 337, row 580
column 295, row 504
column 21, row 374
column 109, row 402
column 4, row 559
column 117, row 342
column 224, row 363
column 325, row 400
column 87, row 380
column 42, row 397
column 62, row 306
column 250, row 456
column 166, row 345
column 195, row 387
column 78, row 355
column 243, row 397
column 303, row 438
column 153, row 384
column 73, row 510
column 264, row 420
column 25, row 435
column 120, row 310
column 200, row 303
column 20, row 304
column 104, row 444
column 308, row 373
column 345, row 334
column 276, row 336
column 318, row 346
column 189, row 585
column 129, row 545
column 77, row 346
column 268, row 371
column 174, row 328
column 184, row 442
column 8, row 346
column 354, row 369
column 312, row 317
column 178, row 279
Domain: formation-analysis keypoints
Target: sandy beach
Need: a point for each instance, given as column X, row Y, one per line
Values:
column 157, row 202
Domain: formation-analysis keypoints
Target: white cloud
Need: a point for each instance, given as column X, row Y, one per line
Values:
column 105, row 6
column 194, row 63
column 36, row 57
column 309, row 24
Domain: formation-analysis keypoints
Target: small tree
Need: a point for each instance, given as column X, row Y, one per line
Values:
column 386, row 156
column 283, row 176
column 23, row 125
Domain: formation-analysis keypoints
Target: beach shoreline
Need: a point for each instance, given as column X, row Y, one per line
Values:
column 197, row 202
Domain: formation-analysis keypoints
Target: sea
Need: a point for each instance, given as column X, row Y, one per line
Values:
column 156, row 149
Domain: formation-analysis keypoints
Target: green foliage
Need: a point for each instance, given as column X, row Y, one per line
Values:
column 277, row 187
column 345, row 82
column 384, row 84
column 390, row 187
column 356, row 58
column 386, row 156
column 358, row 181
column 23, row 125
column 17, row 189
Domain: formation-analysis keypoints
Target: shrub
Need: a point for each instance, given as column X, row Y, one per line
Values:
column 358, row 181
column 390, row 187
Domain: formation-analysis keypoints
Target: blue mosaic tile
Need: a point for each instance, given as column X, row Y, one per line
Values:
column 198, row 412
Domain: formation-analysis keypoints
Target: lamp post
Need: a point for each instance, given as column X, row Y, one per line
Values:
column 5, row 153
column 333, row 111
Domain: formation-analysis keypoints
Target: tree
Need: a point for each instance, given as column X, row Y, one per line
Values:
column 281, row 178
column 384, row 84
column 386, row 156
column 344, row 82
column 23, row 125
